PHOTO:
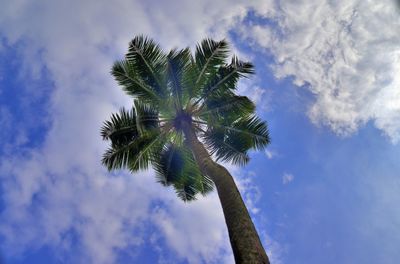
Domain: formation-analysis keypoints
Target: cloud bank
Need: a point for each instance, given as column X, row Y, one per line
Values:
column 346, row 53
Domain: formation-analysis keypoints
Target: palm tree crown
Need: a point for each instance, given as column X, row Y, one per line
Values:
column 175, row 90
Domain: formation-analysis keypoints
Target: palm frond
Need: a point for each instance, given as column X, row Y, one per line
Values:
column 224, row 148
column 132, row 83
column 169, row 165
column 176, row 166
column 254, row 128
column 219, row 106
column 192, row 184
column 226, row 79
column 135, row 155
column 149, row 62
column 146, row 116
column 230, row 142
column 121, row 128
column 209, row 56
column 177, row 63
column 204, row 184
column 189, row 78
column 186, row 190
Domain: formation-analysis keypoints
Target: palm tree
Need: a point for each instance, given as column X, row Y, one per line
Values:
column 185, row 118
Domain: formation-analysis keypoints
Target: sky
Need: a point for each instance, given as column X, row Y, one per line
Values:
column 327, row 81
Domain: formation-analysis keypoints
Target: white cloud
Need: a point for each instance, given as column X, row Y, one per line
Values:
column 60, row 191
column 183, row 227
column 287, row 178
column 44, row 205
column 346, row 53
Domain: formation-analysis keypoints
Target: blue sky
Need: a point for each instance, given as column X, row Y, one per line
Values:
column 326, row 190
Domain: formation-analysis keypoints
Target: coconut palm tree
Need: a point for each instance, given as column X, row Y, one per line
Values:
column 185, row 118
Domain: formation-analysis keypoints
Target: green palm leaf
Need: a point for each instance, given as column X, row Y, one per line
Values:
column 209, row 56
column 147, row 117
column 225, row 80
column 176, row 166
column 121, row 128
column 232, row 142
column 251, row 129
column 177, row 63
column 220, row 106
column 189, row 78
column 225, row 148
column 148, row 60
column 126, row 75
column 169, row 165
column 137, row 154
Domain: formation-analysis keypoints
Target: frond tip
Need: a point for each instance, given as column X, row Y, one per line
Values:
column 121, row 127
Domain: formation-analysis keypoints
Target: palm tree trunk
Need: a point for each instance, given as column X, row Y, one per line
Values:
column 245, row 242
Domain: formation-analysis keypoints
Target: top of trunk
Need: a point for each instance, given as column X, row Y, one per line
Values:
column 182, row 119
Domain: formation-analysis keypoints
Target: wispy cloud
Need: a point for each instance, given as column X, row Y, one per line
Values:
column 270, row 153
column 287, row 178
